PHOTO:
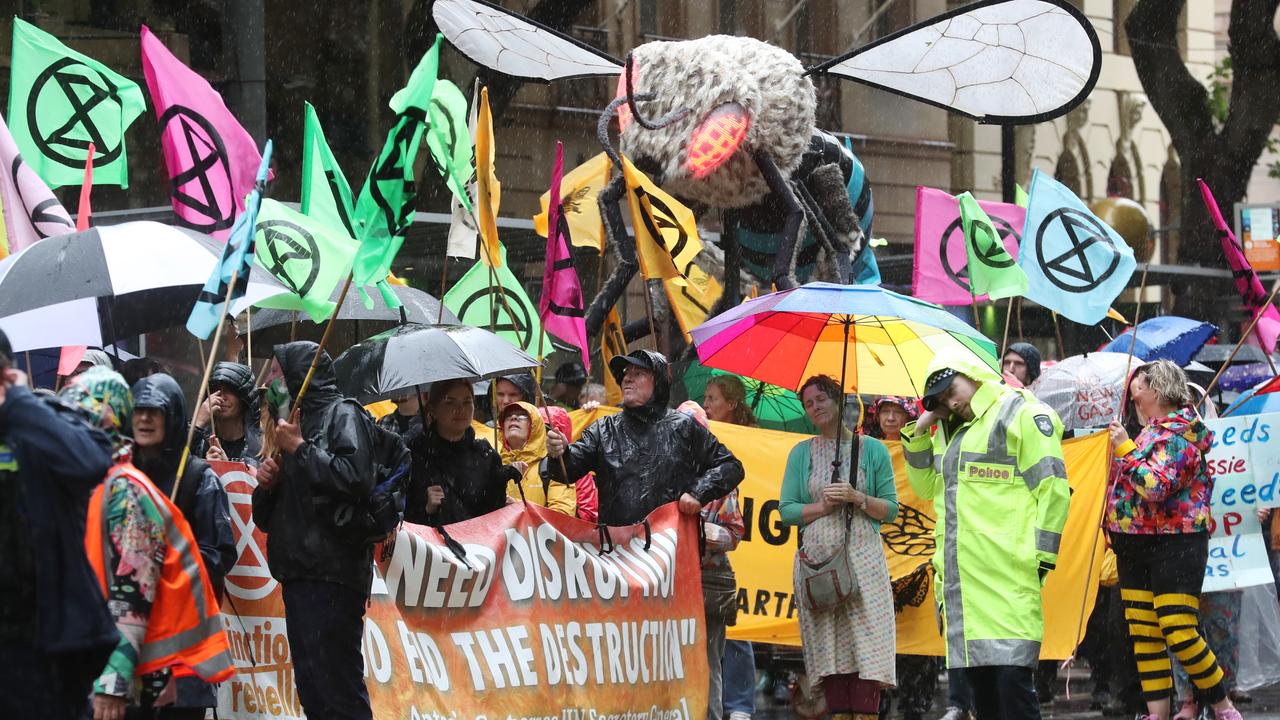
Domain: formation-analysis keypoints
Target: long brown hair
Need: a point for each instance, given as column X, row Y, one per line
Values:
column 735, row 393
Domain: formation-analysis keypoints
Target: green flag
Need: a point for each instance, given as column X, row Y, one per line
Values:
column 326, row 196
column 386, row 203
column 60, row 101
column 992, row 270
column 307, row 256
column 504, row 307
column 449, row 139
column 1019, row 196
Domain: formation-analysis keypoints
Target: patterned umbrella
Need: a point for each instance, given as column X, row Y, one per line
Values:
column 1085, row 390
column 1168, row 337
column 875, row 340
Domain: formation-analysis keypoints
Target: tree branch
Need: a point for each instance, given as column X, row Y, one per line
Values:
column 1176, row 95
column 1255, row 63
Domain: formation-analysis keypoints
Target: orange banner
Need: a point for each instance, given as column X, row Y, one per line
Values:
column 533, row 621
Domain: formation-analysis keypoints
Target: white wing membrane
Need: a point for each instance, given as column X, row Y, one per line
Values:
column 1004, row 61
column 512, row 45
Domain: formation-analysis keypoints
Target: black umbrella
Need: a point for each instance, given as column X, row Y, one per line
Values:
column 353, row 321
column 411, row 356
column 1218, row 354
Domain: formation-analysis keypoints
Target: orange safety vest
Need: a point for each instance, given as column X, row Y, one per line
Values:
column 184, row 629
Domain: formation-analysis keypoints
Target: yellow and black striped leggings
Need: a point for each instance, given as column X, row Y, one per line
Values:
column 1160, row 579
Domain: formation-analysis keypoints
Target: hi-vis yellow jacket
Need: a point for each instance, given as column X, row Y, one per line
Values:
column 1000, row 495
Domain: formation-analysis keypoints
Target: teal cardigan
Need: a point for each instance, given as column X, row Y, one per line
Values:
column 876, row 467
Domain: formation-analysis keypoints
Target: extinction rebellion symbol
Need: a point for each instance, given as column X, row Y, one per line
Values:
column 84, row 90
column 521, row 324
column 1071, row 270
column 292, row 254
column 954, row 233
column 203, row 189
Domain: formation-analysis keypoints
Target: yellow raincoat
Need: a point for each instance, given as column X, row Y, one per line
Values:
column 559, row 497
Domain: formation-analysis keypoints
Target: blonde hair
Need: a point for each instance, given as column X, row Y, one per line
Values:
column 1167, row 380
column 735, row 393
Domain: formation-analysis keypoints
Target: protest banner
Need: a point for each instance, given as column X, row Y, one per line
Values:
column 764, row 560
column 1245, row 464
column 532, row 622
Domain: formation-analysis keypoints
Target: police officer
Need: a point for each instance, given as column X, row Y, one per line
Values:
column 994, row 470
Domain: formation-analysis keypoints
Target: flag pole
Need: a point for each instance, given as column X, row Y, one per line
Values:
column 973, row 299
column 1133, row 343
column 444, row 283
column 1021, row 337
column 1252, row 324
column 1008, row 315
column 248, row 342
column 1057, row 331
column 324, row 340
column 204, row 383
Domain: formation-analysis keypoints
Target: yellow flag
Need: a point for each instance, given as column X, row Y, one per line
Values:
column 667, row 244
column 579, row 191
column 612, row 342
column 488, row 188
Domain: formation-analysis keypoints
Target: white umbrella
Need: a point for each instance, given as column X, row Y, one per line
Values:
column 111, row 282
column 1085, row 390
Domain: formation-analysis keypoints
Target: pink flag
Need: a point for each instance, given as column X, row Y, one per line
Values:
column 31, row 212
column 940, row 272
column 71, row 355
column 560, row 308
column 1247, row 282
column 212, row 160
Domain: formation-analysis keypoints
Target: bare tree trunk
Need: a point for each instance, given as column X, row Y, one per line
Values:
column 1224, row 156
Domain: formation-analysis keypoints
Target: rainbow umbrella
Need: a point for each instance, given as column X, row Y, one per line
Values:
column 875, row 340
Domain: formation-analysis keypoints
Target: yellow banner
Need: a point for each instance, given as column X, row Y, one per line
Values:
column 580, row 191
column 763, row 561
column 667, row 244
column 488, row 189
column 612, row 342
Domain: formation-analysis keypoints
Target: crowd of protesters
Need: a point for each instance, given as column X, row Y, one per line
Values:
column 96, row 543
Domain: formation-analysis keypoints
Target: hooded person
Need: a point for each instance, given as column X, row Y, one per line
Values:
column 1022, row 361
column 456, row 475
column 647, row 455
column 141, row 547
column 524, row 434
column 325, row 578
column 995, row 473
column 233, row 405
column 56, row 632
column 159, row 429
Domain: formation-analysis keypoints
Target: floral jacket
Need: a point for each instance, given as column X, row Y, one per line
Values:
column 1163, row 483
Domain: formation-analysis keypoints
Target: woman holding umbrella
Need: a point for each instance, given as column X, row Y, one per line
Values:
column 849, row 643
column 456, row 476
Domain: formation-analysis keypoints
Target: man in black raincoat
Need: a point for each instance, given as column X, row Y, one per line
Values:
column 648, row 455
column 325, row 578
column 55, row 631
column 234, row 433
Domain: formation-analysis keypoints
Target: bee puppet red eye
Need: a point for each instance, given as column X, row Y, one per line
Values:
column 716, row 139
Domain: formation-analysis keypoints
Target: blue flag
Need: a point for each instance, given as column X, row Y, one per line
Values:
column 236, row 261
column 1075, row 263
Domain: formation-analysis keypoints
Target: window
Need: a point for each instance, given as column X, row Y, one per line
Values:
column 893, row 15
column 727, row 23
column 648, row 17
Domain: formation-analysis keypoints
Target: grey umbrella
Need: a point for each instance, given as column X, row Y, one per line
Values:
column 354, row 320
column 413, row 355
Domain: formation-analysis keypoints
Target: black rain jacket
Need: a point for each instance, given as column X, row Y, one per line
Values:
column 301, row 541
column 648, row 456
column 240, row 379
column 470, row 471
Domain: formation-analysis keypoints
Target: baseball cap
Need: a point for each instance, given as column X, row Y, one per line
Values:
column 935, row 385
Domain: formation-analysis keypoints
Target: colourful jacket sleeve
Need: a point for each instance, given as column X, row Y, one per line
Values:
column 1038, row 437
column 795, row 485
column 917, row 450
column 1155, row 469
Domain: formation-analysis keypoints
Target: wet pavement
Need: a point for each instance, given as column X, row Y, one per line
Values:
column 1066, row 706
